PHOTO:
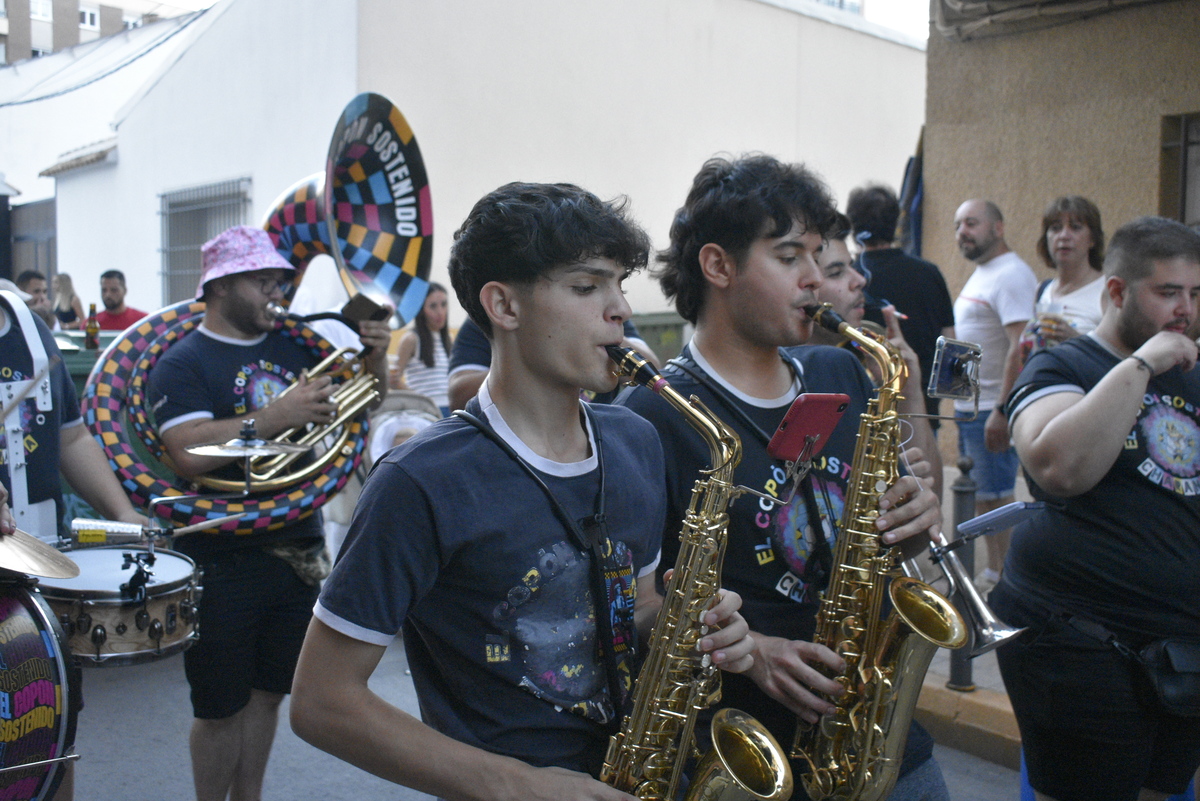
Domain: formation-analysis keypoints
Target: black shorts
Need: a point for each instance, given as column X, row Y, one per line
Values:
column 1091, row 727
column 254, row 612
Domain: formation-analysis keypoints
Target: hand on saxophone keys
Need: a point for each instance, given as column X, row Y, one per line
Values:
column 797, row 674
column 726, row 638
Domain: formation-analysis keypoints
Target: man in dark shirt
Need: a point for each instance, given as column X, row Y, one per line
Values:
column 741, row 266
column 1107, row 426
column 914, row 286
column 256, row 606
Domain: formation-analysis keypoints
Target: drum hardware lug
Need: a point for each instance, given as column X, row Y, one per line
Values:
column 67, row 624
column 187, row 611
column 83, row 622
column 121, row 628
column 141, row 619
column 172, row 618
column 156, row 633
column 99, row 637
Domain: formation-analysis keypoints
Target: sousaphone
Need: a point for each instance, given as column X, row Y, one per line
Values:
column 370, row 211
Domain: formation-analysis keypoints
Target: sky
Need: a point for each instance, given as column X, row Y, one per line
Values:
column 908, row 16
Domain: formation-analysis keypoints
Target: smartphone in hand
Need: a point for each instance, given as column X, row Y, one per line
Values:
column 807, row 426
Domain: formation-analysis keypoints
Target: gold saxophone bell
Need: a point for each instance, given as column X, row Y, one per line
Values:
column 745, row 762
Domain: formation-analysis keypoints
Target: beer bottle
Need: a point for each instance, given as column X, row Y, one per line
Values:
column 91, row 338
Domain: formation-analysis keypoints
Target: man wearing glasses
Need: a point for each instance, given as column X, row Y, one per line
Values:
column 257, row 605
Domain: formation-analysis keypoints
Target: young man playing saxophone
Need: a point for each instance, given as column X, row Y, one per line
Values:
column 741, row 267
column 481, row 539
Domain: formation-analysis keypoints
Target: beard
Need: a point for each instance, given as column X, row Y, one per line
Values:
column 246, row 316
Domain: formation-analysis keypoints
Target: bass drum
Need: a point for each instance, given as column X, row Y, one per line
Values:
column 115, row 397
column 38, row 698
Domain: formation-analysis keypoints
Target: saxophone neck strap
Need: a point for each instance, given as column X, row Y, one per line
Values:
column 590, row 535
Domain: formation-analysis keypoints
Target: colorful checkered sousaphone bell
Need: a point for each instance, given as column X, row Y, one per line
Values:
column 370, row 211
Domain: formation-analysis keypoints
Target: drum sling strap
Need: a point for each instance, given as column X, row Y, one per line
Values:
column 39, row 519
column 590, row 535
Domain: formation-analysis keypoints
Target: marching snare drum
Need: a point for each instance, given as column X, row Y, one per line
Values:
column 128, row 604
column 37, row 705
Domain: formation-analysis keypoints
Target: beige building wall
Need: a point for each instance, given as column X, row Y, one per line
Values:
column 1074, row 109
column 631, row 96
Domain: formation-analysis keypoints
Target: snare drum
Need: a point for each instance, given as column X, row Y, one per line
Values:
column 126, row 606
column 37, row 707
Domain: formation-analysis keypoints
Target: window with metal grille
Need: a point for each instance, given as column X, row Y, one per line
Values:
column 191, row 217
column 1179, row 179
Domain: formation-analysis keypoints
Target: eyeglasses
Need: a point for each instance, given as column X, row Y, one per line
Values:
column 268, row 285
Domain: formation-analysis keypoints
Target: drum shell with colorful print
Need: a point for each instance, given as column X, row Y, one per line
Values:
column 38, row 697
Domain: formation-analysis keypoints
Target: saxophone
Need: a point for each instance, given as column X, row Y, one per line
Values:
column 854, row 752
column 646, row 757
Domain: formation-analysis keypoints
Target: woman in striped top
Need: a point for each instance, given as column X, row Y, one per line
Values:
column 424, row 352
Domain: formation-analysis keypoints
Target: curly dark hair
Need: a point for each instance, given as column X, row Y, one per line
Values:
column 731, row 204
column 519, row 232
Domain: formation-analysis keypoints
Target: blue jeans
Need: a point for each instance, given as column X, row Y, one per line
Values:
column 995, row 474
column 922, row 783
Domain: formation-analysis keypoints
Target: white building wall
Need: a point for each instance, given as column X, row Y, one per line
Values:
column 622, row 97
column 631, row 96
column 257, row 96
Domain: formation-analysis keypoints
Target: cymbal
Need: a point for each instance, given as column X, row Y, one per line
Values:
column 241, row 448
column 24, row 553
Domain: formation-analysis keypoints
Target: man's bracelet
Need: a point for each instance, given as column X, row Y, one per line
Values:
column 1142, row 363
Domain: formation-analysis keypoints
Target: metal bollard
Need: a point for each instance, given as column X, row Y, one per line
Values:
column 964, row 488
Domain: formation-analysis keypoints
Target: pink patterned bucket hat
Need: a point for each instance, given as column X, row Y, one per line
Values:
column 241, row 249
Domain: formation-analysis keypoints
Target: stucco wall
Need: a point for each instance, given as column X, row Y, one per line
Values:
column 1075, row 109
column 631, row 96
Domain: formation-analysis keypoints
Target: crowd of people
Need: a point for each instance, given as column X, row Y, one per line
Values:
column 522, row 545
column 62, row 309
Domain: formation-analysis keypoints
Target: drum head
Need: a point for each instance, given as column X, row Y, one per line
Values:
column 37, row 712
column 103, row 570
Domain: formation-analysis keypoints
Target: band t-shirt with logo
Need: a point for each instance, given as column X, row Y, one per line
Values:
column 773, row 559
column 205, row 376
column 41, row 429
column 453, row 543
column 1125, row 553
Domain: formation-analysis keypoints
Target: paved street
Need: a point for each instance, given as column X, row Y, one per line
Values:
column 132, row 740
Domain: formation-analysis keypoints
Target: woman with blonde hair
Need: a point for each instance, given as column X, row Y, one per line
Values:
column 67, row 306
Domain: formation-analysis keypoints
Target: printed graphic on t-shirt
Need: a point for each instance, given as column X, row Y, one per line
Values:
column 258, row 383
column 559, row 649
column 789, row 531
column 1172, row 439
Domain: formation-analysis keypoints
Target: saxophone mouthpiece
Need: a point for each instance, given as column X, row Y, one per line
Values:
column 635, row 366
column 276, row 311
column 823, row 315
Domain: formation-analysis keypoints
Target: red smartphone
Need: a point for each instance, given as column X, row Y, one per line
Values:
column 807, row 425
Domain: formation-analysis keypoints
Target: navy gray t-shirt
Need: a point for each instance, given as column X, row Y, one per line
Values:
column 1125, row 553
column 455, row 545
column 774, row 557
column 205, row 376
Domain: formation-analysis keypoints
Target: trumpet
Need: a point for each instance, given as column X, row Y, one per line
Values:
column 988, row 631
